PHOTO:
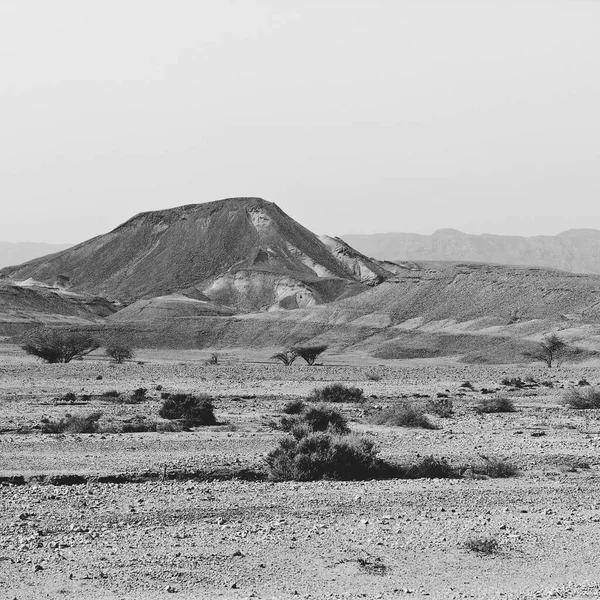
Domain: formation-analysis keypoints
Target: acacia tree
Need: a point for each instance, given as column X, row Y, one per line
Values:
column 551, row 350
column 287, row 357
column 59, row 345
column 119, row 352
column 309, row 353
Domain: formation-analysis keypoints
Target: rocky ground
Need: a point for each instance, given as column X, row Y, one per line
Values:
column 158, row 514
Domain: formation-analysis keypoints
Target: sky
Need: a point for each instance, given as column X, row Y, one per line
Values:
column 354, row 116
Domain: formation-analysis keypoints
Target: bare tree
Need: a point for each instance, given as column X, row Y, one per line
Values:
column 551, row 350
column 287, row 357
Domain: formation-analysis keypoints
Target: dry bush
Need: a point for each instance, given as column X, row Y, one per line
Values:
column 483, row 545
column 316, row 419
column 294, row 407
column 494, row 468
column 337, row 392
column 430, row 467
column 441, row 407
column 403, row 415
column 583, row 399
column 496, row 405
column 190, row 410
column 72, row 424
column 323, row 455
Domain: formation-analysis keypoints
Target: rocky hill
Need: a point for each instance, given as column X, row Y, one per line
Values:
column 576, row 250
column 242, row 253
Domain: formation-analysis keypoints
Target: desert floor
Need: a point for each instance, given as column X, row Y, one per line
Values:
column 151, row 515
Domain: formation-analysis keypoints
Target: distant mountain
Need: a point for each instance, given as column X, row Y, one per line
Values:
column 575, row 250
column 245, row 254
column 15, row 253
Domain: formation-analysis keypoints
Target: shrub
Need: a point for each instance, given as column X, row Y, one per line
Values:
column 441, row 407
column 404, row 415
column 309, row 353
column 58, row 345
column 432, row 468
column 373, row 376
column 495, row 468
column 314, row 420
column 337, row 392
column 72, row 424
column 583, row 399
column 513, row 381
column 119, row 352
column 294, row 407
column 213, row 360
column 287, row 357
column 110, row 394
column 467, row 384
column 191, row 410
column 496, row 405
column 483, row 545
column 138, row 395
column 323, row 456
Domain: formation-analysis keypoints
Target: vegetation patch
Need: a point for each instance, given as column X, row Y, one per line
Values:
column 316, row 419
column 483, row 545
column 55, row 345
column 294, row 407
column 441, row 407
column 404, row 415
column 496, row 405
column 191, row 410
column 337, row 392
column 72, row 424
column 494, row 468
column 584, row 398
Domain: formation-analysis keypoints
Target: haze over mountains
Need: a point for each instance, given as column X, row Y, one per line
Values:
column 575, row 250
column 15, row 253
column 241, row 273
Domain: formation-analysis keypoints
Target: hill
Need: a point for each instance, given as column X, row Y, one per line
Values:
column 15, row 253
column 242, row 253
column 576, row 250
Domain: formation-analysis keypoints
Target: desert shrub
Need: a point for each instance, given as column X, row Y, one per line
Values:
column 441, row 407
column 72, row 424
column 337, row 392
column 513, row 381
column 139, row 395
column 529, row 378
column 430, row 467
column 286, row 357
column 314, row 420
column 323, row 456
column 294, row 407
column 191, row 410
column 583, row 399
column 496, row 405
column 404, row 415
column 58, row 345
column 483, row 545
column 110, row 394
column 165, row 395
column 139, row 424
column 309, row 353
column 373, row 376
column 119, row 352
column 583, row 382
column 495, row 468
column 467, row 384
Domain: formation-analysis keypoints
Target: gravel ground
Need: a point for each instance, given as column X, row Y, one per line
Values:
column 260, row 539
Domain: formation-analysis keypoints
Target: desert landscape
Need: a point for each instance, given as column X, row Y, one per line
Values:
column 253, row 411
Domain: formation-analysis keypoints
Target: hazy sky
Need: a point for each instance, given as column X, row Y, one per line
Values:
column 352, row 115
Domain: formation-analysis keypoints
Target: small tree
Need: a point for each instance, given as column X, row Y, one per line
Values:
column 59, row 345
column 119, row 352
column 552, row 350
column 287, row 357
column 309, row 353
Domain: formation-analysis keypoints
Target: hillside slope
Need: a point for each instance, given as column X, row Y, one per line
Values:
column 15, row 253
column 576, row 250
column 244, row 253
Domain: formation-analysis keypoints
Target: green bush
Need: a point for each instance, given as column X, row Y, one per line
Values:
column 337, row 392
column 72, row 424
column 585, row 398
column 496, row 405
column 403, row 415
column 323, row 456
column 191, row 410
